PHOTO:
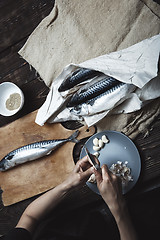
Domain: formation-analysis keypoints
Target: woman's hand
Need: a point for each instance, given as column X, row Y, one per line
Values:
column 80, row 174
column 43, row 205
column 110, row 188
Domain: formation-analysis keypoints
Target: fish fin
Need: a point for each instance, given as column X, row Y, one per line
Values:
column 49, row 152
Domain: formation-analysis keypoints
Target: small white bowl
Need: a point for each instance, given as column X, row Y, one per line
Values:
column 6, row 90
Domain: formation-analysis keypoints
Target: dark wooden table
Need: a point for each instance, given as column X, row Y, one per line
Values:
column 18, row 20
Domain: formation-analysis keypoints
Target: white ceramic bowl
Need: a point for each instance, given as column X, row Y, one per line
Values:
column 6, row 89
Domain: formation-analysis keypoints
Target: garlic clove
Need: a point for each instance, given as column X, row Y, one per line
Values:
column 96, row 148
column 96, row 154
column 101, row 143
column 105, row 139
column 96, row 141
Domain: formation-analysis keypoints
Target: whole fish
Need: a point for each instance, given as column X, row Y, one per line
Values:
column 78, row 76
column 87, row 93
column 33, row 151
column 105, row 101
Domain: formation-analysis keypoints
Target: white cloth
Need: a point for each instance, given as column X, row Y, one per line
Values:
column 74, row 32
column 137, row 65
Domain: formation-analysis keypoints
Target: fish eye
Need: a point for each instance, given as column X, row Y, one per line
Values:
column 9, row 157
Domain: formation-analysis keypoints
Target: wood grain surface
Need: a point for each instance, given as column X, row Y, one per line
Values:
column 35, row 177
column 18, row 19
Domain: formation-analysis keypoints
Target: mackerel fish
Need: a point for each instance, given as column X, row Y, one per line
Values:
column 86, row 93
column 76, row 77
column 105, row 101
column 33, row 151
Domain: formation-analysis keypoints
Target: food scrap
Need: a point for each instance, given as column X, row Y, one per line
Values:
column 121, row 170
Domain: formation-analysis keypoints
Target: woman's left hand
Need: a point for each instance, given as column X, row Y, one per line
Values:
column 80, row 174
column 43, row 205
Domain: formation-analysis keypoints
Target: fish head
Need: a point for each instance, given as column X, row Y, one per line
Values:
column 2, row 165
column 76, row 110
column 5, row 162
column 80, row 110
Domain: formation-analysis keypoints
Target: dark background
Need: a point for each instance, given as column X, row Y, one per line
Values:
column 18, row 20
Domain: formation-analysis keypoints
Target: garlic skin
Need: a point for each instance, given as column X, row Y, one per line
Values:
column 123, row 171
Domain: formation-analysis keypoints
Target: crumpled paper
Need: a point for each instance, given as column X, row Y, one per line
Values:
column 137, row 65
column 76, row 31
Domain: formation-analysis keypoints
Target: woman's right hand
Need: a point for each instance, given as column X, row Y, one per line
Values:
column 110, row 188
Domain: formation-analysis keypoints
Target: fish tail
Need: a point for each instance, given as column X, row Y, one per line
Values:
column 72, row 138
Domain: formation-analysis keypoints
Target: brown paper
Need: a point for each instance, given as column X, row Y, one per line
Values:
column 76, row 31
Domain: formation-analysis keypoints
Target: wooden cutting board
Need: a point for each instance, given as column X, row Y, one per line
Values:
column 37, row 176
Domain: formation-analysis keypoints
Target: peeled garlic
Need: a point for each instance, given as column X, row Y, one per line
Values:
column 101, row 143
column 105, row 139
column 92, row 178
column 96, row 148
column 96, row 154
column 95, row 141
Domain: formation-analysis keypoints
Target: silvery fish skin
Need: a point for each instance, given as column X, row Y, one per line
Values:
column 78, row 76
column 97, row 88
column 33, row 151
column 105, row 101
